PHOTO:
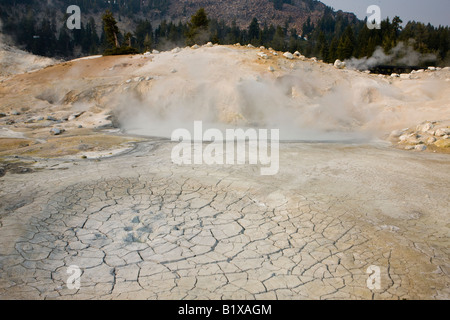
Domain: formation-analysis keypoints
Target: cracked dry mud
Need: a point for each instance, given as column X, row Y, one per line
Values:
column 140, row 227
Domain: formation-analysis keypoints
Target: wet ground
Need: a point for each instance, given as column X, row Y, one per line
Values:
column 140, row 227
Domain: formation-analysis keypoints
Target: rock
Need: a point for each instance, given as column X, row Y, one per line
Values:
column 420, row 147
column 176, row 50
column 195, row 46
column 432, row 68
column 148, row 78
column 405, row 76
column 250, row 46
column 237, row 44
column 442, row 143
column 275, row 53
column 431, row 140
column 395, row 75
column 271, row 69
column 262, row 47
column 56, row 131
column 10, row 122
column 173, row 70
column 297, row 54
column 338, row 64
column 51, row 118
column 446, row 69
column 424, row 127
column 442, row 132
column 15, row 113
column 155, row 52
column 209, row 44
column 409, row 147
column 39, row 118
column 2, row 115
column 420, row 71
column 147, row 53
column 263, row 55
column 288, row 55
column 80, row 126
column 396, row 133
column 128, row 81
column 314, row 59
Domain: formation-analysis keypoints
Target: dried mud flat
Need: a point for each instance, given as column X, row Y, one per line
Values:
column 140, row 227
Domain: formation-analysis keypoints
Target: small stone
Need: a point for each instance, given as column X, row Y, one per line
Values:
column 176, row 50
column 271, row 69
column 442, row 132
column 288, row 55
column 15, row 113
column 431, row 140
column 424, row 127
column 173, row 70
column 250, row 46
column 148, row 78
column 405, row 76
column 297, row 54
column 263, row 55
column 338, row 64
column 409, row 147
column 262, row 47
column 155, row 52
column 209, row 44
column 432, row 68
column 420, row 147
column 395, row 75
column 56, row 131
column 195, row 46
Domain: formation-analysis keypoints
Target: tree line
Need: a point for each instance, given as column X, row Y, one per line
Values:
column 334, row 36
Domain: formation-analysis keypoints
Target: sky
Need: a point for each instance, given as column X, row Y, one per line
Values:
column 436, row 12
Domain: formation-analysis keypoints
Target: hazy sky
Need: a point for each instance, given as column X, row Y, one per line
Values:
column 437, row 12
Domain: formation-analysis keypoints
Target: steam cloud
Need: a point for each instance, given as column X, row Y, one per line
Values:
column 402, row 54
